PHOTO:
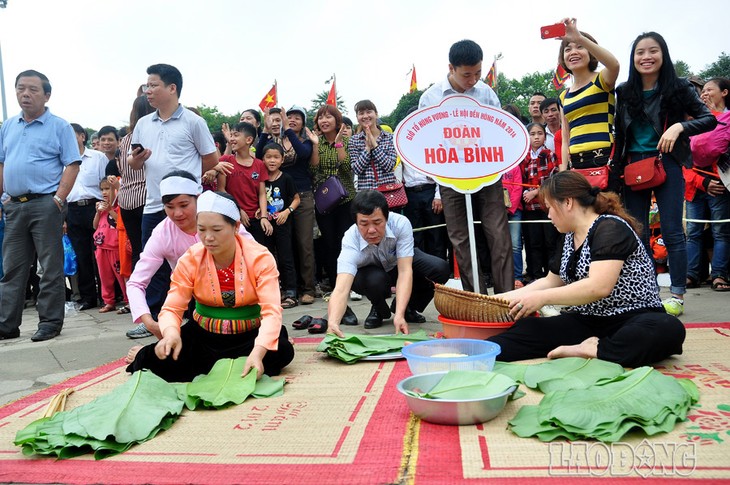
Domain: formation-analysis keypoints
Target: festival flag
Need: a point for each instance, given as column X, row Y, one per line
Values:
column 270, row 100
column 332, row 96
column 414, row 84
column 491, row 78
column 561, row 75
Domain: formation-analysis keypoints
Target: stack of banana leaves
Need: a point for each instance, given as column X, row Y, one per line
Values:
column 594, row 399
column 137, row 410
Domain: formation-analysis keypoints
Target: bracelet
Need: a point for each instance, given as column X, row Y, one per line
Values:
column 339, row 145
column 59, row 200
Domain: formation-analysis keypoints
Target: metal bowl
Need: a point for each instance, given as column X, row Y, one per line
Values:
column 451, row 412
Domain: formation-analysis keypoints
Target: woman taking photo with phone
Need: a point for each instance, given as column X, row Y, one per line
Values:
column 656, row 114
column 588, row 105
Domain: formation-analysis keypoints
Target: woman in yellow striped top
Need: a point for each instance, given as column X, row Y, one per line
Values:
column 588, row 105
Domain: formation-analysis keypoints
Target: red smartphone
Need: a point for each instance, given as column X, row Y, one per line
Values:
column 552, row 31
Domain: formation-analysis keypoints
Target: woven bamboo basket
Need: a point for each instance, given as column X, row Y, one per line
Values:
column 470, row 307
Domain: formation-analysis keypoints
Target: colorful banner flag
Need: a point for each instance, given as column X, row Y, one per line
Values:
column 332, row 97
column 270, row 100
column 414, row 84
column 561, row 75
column 491, row 78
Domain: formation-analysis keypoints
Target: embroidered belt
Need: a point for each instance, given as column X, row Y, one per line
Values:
column 227, row 320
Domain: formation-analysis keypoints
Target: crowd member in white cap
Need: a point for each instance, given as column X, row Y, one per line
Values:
column 169, row 240
column 235, row 284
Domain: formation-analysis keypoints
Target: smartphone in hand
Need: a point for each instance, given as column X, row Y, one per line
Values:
column 136, row 146
column 552, row 31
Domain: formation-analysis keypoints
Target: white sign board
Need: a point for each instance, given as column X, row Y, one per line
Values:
column 460, row 143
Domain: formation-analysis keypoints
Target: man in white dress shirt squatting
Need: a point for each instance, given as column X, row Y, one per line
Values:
column 377, row 252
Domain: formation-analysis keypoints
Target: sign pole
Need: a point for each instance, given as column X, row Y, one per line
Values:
column 472, row 243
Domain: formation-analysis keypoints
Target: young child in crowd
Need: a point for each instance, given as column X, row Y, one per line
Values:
column 283, row 200
column 106, row 239
column 246, row 183
column 540, row 237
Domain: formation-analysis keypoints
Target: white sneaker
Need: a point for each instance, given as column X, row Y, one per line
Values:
column 673, row 306
column 355, row 296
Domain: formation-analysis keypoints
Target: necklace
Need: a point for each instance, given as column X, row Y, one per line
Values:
column 226, row 275
column 221, row 273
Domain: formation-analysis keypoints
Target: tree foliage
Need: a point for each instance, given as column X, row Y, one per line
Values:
column 321, row 99
column 214, row 118
column 683, row 69
column 519, row 92
column 406, row 103
column 719, row 68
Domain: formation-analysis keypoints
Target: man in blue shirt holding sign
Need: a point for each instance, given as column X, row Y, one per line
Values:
column 39, row 161
column 465, row 70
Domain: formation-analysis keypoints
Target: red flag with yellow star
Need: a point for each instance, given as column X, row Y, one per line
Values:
column 332, row 96
column 414, row 84
column 269, row 100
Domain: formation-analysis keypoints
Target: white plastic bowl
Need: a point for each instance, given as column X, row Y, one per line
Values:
column 448, row 411
column 480, row 355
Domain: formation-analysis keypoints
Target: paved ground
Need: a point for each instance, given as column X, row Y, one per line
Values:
column 90, row 339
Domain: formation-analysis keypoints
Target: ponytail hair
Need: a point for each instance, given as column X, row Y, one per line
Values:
column 571, row 184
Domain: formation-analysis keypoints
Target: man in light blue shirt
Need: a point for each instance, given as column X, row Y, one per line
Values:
column 465, row 70
column 377, row 252
column 39, row 161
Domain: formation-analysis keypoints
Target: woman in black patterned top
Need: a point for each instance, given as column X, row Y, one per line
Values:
column 330, row 157
column 603, row 276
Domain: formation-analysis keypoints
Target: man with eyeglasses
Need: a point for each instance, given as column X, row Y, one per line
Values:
column 171, row 138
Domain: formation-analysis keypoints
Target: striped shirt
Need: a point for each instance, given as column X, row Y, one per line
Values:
column 329, row 165
column 133, row 191
column 382, row 158
column 589, row 112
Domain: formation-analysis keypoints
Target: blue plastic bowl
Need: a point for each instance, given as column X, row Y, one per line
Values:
column 480, row 355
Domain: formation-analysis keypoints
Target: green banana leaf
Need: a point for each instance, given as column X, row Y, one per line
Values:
column 132, row 413
column 569, row 373
column 467, row 384
column 641, row 398
column 268, row 387
column 223, row 386
column 352, row 348
column 128, row 413
column 510, row 369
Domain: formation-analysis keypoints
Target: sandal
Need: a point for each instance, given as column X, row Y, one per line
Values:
column 124, row 310
column 720, row 284
column 289, row 302
column 692, row 283
column 319, row 325
column 302, row 323
column 107, row 308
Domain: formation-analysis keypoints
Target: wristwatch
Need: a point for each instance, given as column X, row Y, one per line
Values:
column 291, row 209
column 59, row 200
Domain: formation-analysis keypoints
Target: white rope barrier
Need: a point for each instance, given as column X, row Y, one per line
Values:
column 699, row 221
